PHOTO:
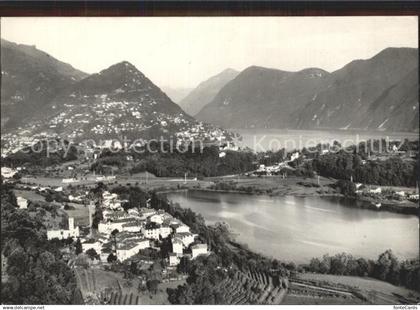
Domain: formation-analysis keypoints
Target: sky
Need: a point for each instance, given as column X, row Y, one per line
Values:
column 181, row 52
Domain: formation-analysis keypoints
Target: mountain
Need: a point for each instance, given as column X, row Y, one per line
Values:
column 263, row 98
column 363, row 94
column 206, row 91
column 380, row 93
column 120, row 101
column 176, row 94
column 397, row 107
column 30, row 79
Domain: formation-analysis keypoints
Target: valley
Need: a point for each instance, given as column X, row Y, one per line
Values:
column 260, row 186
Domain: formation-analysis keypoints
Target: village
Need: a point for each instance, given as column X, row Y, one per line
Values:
column 122, row 234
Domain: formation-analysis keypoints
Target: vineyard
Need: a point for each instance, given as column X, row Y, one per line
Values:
column 99, row 287
column 252, row 288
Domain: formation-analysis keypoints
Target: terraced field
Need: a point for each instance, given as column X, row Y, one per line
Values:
column 252, row 288
column 117, row 298
column 312, row 288
column 99, row 287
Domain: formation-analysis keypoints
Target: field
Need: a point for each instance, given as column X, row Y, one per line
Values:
column 80, row 214
column 150, row 182
column 29, row 195
column 280, row 186
column 314, row 288
column 106, row 287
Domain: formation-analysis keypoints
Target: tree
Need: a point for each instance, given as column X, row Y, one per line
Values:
column 92, row 254
column 152, row 286
column 36, row 272
column 346, row 188
column 114, row 234
column 111, row 258
column 133, row 268
column 184, row 265
column 78, row 247
column 384, row 265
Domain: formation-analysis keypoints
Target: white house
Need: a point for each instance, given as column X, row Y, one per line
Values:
column 22, row 202
column 133, row 213
column 7, row 172
column 69, row 180
column 377, row 190
column 173, row 259
column 156, row 218
column 108, row 227
column 155, row 232
column 131, row 247
column 198, row 249
column 186, row 238
column 132, row 226
column 146, row 212
column 400, row 193
column 294, row 156
column 177, row 246
column 63, row 233
column 414, row 196
column 97, row 246
column 180, row 228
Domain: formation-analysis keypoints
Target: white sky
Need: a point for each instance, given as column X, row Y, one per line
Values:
column 184, row 51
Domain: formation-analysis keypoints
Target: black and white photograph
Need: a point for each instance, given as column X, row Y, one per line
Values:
column 210, row 160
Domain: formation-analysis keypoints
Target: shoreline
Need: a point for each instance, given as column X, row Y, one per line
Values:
column 359, row 203
column 237, row 245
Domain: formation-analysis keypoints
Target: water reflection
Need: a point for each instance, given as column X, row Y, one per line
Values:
column 297, row 228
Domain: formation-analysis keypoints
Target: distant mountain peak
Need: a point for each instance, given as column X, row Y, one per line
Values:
column 122, row 76
column 206, row 91
column 123, row 65
column 251, row 70
column 228, row 70
column 123, row 68
column 314, row 71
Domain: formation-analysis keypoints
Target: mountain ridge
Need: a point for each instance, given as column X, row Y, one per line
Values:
column 206, row 90
column 30, row 79
column 313, row 98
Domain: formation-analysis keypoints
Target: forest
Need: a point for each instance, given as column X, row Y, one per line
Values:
column 393, row 171
column 386, row 268
column 33, row 267
column 194, row 162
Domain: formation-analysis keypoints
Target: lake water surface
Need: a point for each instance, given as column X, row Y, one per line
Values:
column 297, row 228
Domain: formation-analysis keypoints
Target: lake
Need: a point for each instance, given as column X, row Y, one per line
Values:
column 298, row 228
column 273, row 139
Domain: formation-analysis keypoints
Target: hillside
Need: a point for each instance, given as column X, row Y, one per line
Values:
column 206, row 91
column 30, row 80
column 120, row 101
column 263, row 98
column 376, row 94
column 364, row 94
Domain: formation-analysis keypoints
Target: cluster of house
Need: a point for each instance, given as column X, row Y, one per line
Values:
column 275, row 169
column 280, row 168
column 70, row 232
column 362, row 189
column 15, row 141
column 133, row 230
column 8, row 173
column 207, row 134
